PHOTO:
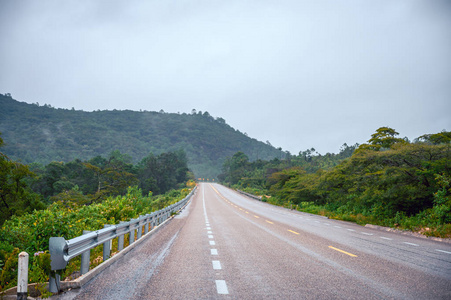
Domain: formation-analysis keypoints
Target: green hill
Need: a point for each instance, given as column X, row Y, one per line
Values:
column 42, row 134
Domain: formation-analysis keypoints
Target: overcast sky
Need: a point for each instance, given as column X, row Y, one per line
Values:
column 300, row 74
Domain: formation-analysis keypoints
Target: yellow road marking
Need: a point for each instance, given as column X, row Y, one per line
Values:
column 293, row 231
column 257, row 217
column 339, row 250
column 247, row 212
column 269, row 222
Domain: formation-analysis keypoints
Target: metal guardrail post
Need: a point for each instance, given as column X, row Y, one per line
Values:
column 146, row 225
column 85, row 258
column 132, row 235
column 106, row 246
column 140, row 228
column 54, row 282
column 120, row 240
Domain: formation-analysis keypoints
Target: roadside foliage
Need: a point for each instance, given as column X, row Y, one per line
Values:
column 389, row 181
column 30, row 232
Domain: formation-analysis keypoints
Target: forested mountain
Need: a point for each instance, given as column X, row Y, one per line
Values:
column 34, row 133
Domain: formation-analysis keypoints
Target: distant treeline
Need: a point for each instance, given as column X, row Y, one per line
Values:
column 24, row 188
column 388, row 181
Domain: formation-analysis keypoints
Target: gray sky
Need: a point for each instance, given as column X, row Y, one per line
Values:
column 300, row 74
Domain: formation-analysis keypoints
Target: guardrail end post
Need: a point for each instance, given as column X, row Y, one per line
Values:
column 54, row 282
column 22, row 277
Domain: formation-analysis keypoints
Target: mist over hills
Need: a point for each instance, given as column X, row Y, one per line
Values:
column 34, row 133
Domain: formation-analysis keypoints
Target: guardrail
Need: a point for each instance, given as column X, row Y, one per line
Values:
column 250, row 195
column 62, row 250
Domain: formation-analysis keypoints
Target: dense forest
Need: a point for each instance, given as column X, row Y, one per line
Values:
column 41, row 134
column 24, row 188
column 388, row 181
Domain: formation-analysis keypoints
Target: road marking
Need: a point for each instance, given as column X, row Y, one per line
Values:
column 209, row 232
column 269, row 222
column 443, row 251
column 214, row 251
column 241, row 208
column 316, row 221
column 366, row 233
column 337, row 226
column 411, row 244
column 293, row 231
column 350, row 229
column 210, row 236
column 257, row 217
column 247, row 212
column 216, row 265
column 212, row 243
column 221, row 287
column 208, row 228
column 342, row 251
column 327, row 224
column 386, row 238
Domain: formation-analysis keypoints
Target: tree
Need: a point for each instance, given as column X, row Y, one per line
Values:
column 159, row 174
column 384, row 138
column 16, row 198
column 443, row 137
column 234, row 168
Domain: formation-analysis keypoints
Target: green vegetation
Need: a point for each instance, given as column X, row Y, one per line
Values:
column 31, row 231
column 43, row 134
column 388, row 181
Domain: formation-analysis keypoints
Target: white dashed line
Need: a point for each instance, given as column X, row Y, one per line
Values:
column 210, row 236
column 447, row 252
column 214, row 251
column 386, row 238
column 208, row 228
column 411, row 244
column 212, row 243
column 216, row 265
column 366, row 233
column 221, row 287
column 337, row 226
column 209, row 232
column 350, row 229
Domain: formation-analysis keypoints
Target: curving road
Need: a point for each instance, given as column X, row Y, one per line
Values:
column 225, row 245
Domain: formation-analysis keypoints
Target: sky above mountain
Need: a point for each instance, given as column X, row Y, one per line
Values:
column 300, row 74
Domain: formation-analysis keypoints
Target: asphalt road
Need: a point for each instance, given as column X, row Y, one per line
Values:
column 228, row 246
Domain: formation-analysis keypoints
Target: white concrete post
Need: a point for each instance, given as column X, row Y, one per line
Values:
column 22, row 277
